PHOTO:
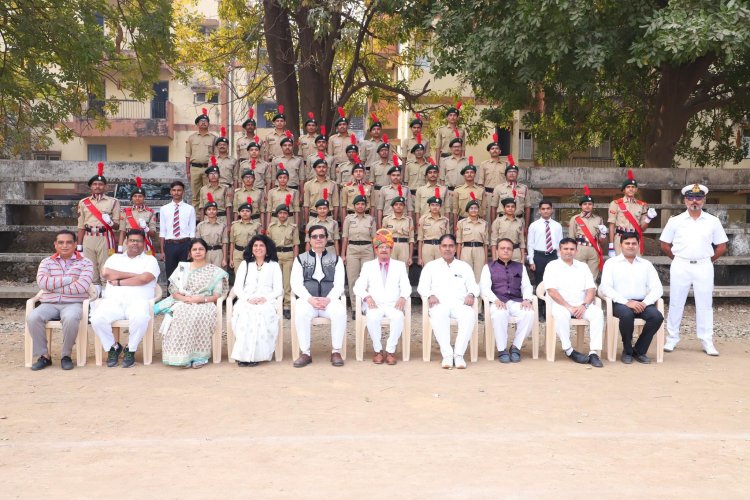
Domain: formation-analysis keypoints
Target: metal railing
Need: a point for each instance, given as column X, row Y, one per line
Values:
column 126, row 109
column 582, row 162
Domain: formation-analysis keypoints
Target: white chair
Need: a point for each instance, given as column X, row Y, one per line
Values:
column 427, row 332
column 489, row 333
column 315, row 322
column 551, row 336
column 278, row 352
column 81, row 339
column 613, row 331
column 218, row 326
column 360, row 324
column 122, row 324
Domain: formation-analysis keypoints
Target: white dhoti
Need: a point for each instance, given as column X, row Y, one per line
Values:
column 440, row 316
column 595, row 318
column 107, row 311
column 500, row 317
column 304, row 314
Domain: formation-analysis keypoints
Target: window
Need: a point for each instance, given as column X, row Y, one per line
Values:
column 47, row 155
column 746, row 142
column 603, row 150
column 264, row 108
column 99, row 19
column 97, row 152
column 210, row 96
column 160, row 153
column 525, row 146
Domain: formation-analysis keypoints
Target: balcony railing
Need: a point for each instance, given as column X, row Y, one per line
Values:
column 126, row 109
column 582, row 162
column 125, row 118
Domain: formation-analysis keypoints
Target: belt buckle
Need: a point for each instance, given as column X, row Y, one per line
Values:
column 693, row 261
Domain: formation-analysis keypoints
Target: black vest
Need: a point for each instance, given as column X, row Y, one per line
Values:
column 328, row 261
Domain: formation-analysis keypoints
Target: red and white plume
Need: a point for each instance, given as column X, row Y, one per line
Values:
column 417, row 116
column 511, row 160
column 458, row 105
column 325, row 194
column 210, row 197
column 353, row 139
column 281, row 109
column 251, row 113
column 437, row 192
column 385, row 138
column 631, row 177
column 586, row 190
column 213, row 161
column 362, row 189
column 288, row 133
column 342, row 113
column 356, row 159
column 419, row 137
column 494, row 137
column 471, row 160
column 374, row 117
column 249, row 200
column 223, row 131
column 100, row 169
column 252, row 163
column 432, row 162
column 138, row 182
column 256, row 139
column 455, row 131
column 288, row 200
column 400, row 191
column 281, row 166
column 204, row 111
column 395, row 160
column 514, row 194
column 473, row 196
column 321, row 155
column 322, row 130
column 310, row 115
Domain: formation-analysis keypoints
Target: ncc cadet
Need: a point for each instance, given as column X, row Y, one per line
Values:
column 199, row 147
column 511, row 188
column 589, row 231
column 323, row 218
column 244, row 140
column 240, row 233
column 432, row 225
column 277, row 196
column 222, row 195
column 307, row 141
column 415, row 166
column 344, row 169
column 351, row 190
column 138, row 216
column 378, row 173
column 424, row 193
column 472, row 236
column 395, row 188
column 337, row 144
column 493, row 170
column 292, row 164
column 449, row 133
column 415, row 138
column 452, row 165
column 248, row 190
column 321, row 147
column 227, row 165
column 285, row 234
column 315, row 187
column 401, row 227
column 359, row 229
column 628, row 214
column 272, row 143
column 369, row 147
column 98, row 219
column 510, row 227
column 469, row 190
column 214, row 233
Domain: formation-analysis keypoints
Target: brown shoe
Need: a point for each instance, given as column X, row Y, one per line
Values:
column 336, row 359
column 302, row 361
column 390, row 358
column 378, row 358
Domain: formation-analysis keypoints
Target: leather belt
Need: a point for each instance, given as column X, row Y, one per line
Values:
column 255, row 217
column 401, row 240
column 444, row 155
column 451, row 188
column 489, row 190
column 214, row 247
column 516, row 246
column 545, row 252
column 293, row 187
column 584, row 242
column 413, row 191
column 196, row 164
column 473, row 244
column 239, row 248
column 431, row 242
column 178, row 240
column 223, row 213
column 359, row 242
column 284, row 249
column 377, row 188
column 94, row 230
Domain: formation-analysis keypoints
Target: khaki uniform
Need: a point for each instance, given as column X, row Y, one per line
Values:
column 239, row 236
column 415, row 173
column 450, row 171
column 227, row 170
column 330, row 224
column 378, row 175
column 271, row 147
column 310, row 171
column 344, row 173
column 294, row 165
column 277, row 196
column 96, row 244
column 222, row 197
column 387, row 193
column 337, row 145
column 493, row 173
column 350, row 191
column 306, row 145
column 286, row 237
column 215, row 235
column 241, row 144
column 429, row 232
column 461, row 196
column 426, row 192
column 199, row 149
column 410, row 143
column 255, row 194
column 264, row 173
column 443, row 138
column 617, row 217
column 359, row 232
column 314, row 192
column 403, row 234
column 505, row 190
column 512, row 229
column 586, row 251
column 471, row 233
column 140, row 213
column 368, row 151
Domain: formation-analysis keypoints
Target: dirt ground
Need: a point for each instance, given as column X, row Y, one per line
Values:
column 534, row 429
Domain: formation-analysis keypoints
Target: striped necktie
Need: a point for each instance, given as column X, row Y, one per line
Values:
column 176, row 222
column 548, row 236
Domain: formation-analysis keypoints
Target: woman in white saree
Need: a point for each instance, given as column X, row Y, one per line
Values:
column 257, row 284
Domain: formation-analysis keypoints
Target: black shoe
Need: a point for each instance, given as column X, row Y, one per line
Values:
column 287, row 314
column 515, row 354
column 578, row 357
column 642, row 358
column 114, row 356
column 595, row 361
column 627, row 358
column 128, row 359
column 503, row 357
column 244, row 364
column 41, row 363
column 354, row 315
column 66, row 363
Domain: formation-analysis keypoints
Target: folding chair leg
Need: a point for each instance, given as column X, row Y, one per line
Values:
column 550, row 338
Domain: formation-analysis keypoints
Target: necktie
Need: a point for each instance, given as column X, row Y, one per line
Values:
column 176, row 222
column 383, row 272
column 548, row 236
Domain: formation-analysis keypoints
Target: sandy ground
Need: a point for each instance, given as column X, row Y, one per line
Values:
column 535, row 429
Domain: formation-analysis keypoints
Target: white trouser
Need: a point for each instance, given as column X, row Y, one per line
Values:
column 524, row 320
column 335, row 311
column 440, row 316
column 108, row 311
column 700, row 275
column 562, row 325
column 374, row 318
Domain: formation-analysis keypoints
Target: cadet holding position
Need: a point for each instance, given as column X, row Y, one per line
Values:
column 243, row 141
column 395, row 188
column 220, row 194
column 627, row 215
column 432, row 226
column 589, row 231
column 214, row 233
column 322, row 207
column 492, row 169
column 509, row 227
column 278, row 195
column 359, row 229
column 138, row 216
column 416, row 130
column 472, row 238
column 338, row 143
column 447, row 134
column 315, row 187
column 452, row 165
column 248, row 190
column 467, row 192
column 292, row 164
column 228, row 168
column 401, row 227
column 272, row 143
column 358, row 186
column 307, row 141
column 286, row 236
column 199, row 147
column 240, row 233
column 511, row 188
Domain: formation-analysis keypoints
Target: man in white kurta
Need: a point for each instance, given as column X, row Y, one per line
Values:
column 449, row 287
column 694, row 240
column 131, row 281
column 571, row 287
column 383, row 286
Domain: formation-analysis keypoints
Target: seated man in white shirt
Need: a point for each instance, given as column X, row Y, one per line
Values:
column 571, row 287
column 131, row 281
column 448, row 284
column 317, row 278
column 505, row 284
column 634, row 287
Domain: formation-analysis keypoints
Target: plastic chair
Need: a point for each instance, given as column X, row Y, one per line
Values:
column 427, row 332
column 551, row 336
column 360, row 325
column 122, row 324
column 278, row 352
column 613, row 331
column 81, row 339
column 489, row 333
column 315, row 322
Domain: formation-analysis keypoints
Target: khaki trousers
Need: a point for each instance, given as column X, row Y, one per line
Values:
column 95, row 249
column 214, row 257
column 356, row 255
column 197, row 181
column 401, row 251
column 430, row 252
column 285, row 261
column 476, row 257
column 588, row 256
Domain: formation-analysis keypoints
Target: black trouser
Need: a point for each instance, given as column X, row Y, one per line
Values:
column 174, row 253
column 627, row 316
column 541, row 259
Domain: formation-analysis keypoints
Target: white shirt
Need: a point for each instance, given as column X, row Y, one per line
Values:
column 297, row 280
column 187, row 221
column 370, row 282
column 485, row 285
column 251, row 283
column 623, row 280
column 537, row 240
column 450, row 283
column 143, row 263
column 691, row 239
column 570, row 281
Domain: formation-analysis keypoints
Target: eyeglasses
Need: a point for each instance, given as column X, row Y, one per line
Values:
column 317, row 236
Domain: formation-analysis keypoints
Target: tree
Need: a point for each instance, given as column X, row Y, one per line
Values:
column 55, row 56
column 650, row 75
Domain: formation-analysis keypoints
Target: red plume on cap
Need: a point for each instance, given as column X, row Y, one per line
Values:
column 356, row 159
column 437, row 192
column 100, row 169
column 455, row 131
column 256, row 139
column 250, row 113
column 432, row 162
column 281, row 166
column 204, row 111
column 385, row 138
column 362, row 190
column 252, row 163
column 494, row 137
column 395, row 160
column 311, row 115
column 514, row 194
column 288, row 133
column 288, row 200
column 511, row 160
column 419, row 137
column 473, row 196
column 342, row 113
column 322, row 130
column 249, row 200
column 630, row 175
column 374, row 117
column 281, row 109
column 353, row 139
column 138, row 182
column 417, row 116
column 321, row 155
column 213, row 161
column 471, row 160
column 223, row 131
column 458, row 105
column 400, row 191
column 325, row 194
column 586, row 190
column 210, row 197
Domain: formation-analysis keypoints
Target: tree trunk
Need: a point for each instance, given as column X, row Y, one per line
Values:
column 281, row 56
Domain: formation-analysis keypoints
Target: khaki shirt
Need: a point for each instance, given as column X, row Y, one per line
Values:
column 592, row 222
column 472, row 231
column 617, row 217
column 255, row 194
column 227, row 170
column 505, row 190
column 310, row 171
column 493, row 173
column 240, row 233
column 368, row 151
column 432, row 229
column 344, row 173
column 277, row 196
column 450, row 171
column 337, row 147
column 401, row 227
column 350, row 191
column 330, row 224
column 508, row 228
column 306, row 145
column 199, row 148
column 105, row 205
column 358, row 228
column 410, row 143
column 242, row 142
column 284, row 235
column 271, row 147
column 415, row 173
column 426, row 192
column 445, row 135
column 214, row 233
column 461, row 196
column 264, row 173
column 294, row 165
column 221, row 194
column 314, row 192
column 387, row 193
column 379, row 172
column 145, row 214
